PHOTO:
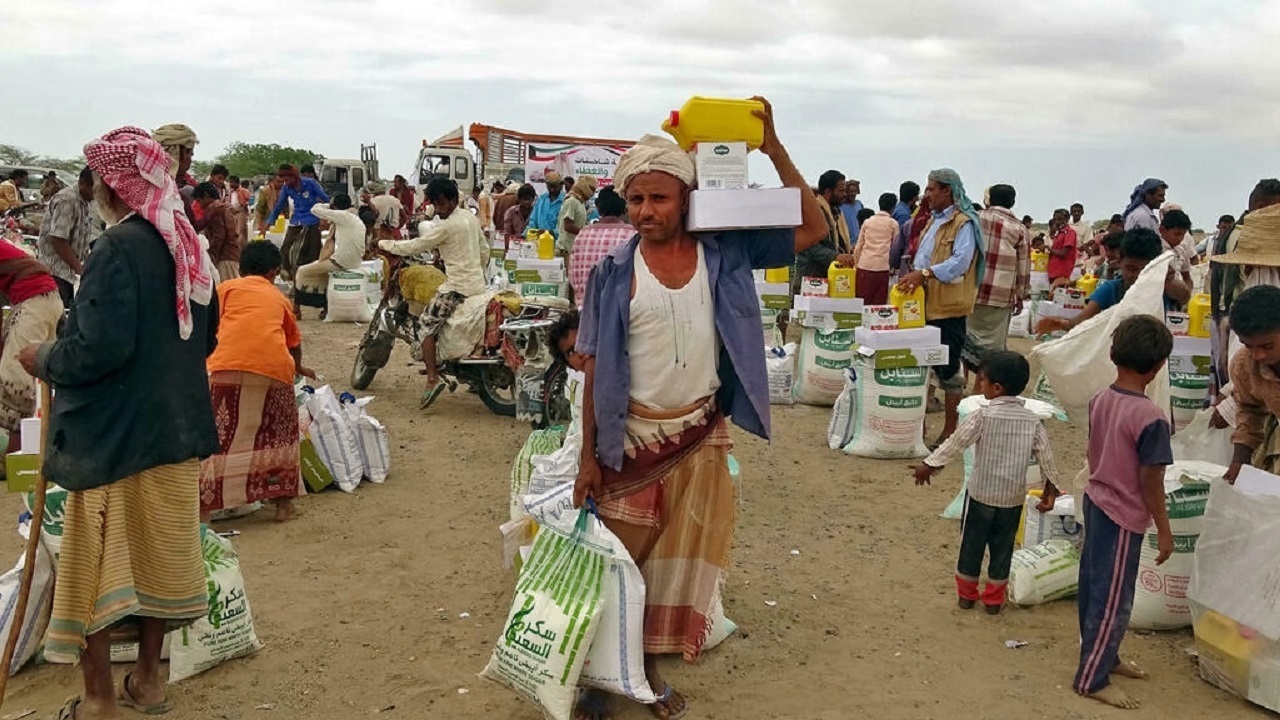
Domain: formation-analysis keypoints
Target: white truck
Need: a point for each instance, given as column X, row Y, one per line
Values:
column 344, row 175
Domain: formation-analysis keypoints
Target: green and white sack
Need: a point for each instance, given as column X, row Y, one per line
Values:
column 55, row 512
column 553, row 620
column 1187, row 395
column 227, row 631
column 539, row 442
column 347, row 298
column 1160, row 601
column 1043, row 573
column 824, row 355
column 888, row 420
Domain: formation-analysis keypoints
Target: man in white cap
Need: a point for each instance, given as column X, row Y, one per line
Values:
column 670, row 332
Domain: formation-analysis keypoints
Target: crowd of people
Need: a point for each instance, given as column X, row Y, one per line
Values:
column 174, row 372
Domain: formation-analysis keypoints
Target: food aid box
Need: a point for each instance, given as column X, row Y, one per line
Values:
column 828, row 321
column 852, row 306
column 1190, row 364
column 1179, row 323
column 1070, row 298
column 721, row 165
column 1039, row 282
column 22, row 471
column 1048, row 308
column 880, row 317
column 535, row 270
column 315, row 473
column 926, row 356
column 743, row 209
column 774, row 296
column 1190, row 354
column 813, row 287
column 544, row 290
column 927, row 336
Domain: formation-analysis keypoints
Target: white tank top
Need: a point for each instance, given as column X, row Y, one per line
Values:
column 675, row 350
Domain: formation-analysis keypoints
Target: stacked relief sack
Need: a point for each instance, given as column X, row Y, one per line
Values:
column 1160, row 602
column 780, row 363
column 347, row 297
column 824, row 355
column 1187, row 394
column 227, row 631
column 889, row 410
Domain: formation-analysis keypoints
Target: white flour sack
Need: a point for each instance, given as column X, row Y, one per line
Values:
column 39, row 603
column 781, row 365
column 348, row 301
column 769, row 325
column 1043, row 573
column 820, row 366
column 615, row 662
column 554, row 618
column 888, row 420
column 1160, row 602
column 1187, row 393
column 227, row 631
column 840, row 428
column 371, row 439
column 335, row 439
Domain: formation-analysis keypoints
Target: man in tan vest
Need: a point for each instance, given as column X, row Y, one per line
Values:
column 947, row 265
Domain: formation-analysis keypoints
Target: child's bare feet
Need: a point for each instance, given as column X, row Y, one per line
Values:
column 284, row 509
column 1115, row 697
column 1130, row 669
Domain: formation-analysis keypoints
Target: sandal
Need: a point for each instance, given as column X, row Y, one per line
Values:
column 68, row 710
column 432, row 394
column 125, row 699
column 657, row 708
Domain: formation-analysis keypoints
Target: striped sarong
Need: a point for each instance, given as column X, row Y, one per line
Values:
column 129, row 549
column 678, row 526
column 258, row 458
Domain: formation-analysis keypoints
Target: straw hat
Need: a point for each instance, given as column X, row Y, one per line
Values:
column 1257, row 240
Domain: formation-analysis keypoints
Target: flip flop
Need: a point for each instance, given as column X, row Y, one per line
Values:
column 593, row 704
column 68, row 710
column 430, row 396
column 662, row 701
column 125, row 699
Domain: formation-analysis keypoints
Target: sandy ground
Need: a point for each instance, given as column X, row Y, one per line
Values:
column 359, row 600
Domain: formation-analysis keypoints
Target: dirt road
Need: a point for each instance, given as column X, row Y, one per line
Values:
column 360, row 599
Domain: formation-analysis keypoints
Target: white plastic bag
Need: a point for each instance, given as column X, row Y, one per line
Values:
column 346, row 297
column 39, row 603
column 1020, row 324
column 1057, row 524
column 554, row 619
column 371, row 438
column 1198, row 441
column 335, row 440
column 889, row 415
column 227, row 631
column 1045, row 572
column 824, row 355
column 840, row 429
column 1237, row 559
column 615, row 662
column 1160, row 602
column 780, row 363
column 1079, row 365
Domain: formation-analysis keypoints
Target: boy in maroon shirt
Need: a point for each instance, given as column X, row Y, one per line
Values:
column 1128, row 451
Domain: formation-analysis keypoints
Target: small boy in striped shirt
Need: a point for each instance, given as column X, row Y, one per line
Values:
column 1006, row 435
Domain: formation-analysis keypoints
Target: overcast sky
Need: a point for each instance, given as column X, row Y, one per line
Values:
column 1070, row 100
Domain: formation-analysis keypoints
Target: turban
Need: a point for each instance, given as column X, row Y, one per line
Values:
column 951, row 178
column 551, row 177
column 584, row 187
column 173, row 137
column 137, row 169
column 1138, row 198
column 654, row 154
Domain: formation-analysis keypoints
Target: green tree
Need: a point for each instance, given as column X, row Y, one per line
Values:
column 251, row 159
column 14, row 155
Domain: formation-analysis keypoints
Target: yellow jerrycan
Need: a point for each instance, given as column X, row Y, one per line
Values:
column 1087, row 284
column 778, row 275
column 1039, row 261
column 841, row 281
column 910, row 307
column 704, row 119
column 1201, row 311
column 546, row 246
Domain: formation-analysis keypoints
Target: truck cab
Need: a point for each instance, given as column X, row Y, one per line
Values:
column 348, row 176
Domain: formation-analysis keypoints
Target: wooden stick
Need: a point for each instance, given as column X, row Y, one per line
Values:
column 33, row 544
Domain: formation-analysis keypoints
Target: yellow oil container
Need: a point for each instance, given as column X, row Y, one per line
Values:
column 546, row 246
column 910, row 307
column 840, row 281
column 704, row 119
column 1087, row 283
column 1039, row 261
column 1225, row 652
column 1201, row 311
column 282, row 224
column 778, row 275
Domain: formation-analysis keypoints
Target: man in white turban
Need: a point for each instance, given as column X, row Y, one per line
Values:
column 674, row 321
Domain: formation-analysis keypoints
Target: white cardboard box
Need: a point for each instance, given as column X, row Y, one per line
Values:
column 930, row 356
column 1185, row 345
column 549, row 271
column 1192, row 364
column 897, row 339
column 825, row 304
column 1070, row 298
column 743, row 209
column 880, row 317
column 774, row 296
column 721, row 166
column 1052, row 309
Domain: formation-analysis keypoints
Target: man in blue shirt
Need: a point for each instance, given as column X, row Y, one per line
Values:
column 546, row 211
column 670, row 330
column 850, row 209
column 302, row 241
column 947, row 267
column 908, row 197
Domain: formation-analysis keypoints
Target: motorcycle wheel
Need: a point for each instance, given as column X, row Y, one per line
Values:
column 558, row 411
column 497, row 389
column 375, row 348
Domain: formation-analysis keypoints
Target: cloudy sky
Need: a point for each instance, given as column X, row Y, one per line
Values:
column 1070, row 100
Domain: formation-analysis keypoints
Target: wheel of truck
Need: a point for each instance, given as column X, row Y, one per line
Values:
column 497, row 390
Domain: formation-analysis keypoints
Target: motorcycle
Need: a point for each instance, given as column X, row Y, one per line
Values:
column 508, row 370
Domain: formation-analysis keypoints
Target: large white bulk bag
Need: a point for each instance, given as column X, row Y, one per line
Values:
column 1045, row 572
column 889, row 412
column 346, row 297
column 1160, row 602
column 820, row 365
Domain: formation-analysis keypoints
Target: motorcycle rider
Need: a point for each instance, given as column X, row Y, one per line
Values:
column 458, row 239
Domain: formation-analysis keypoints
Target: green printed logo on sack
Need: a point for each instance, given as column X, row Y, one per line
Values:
column 900, row 403
column 835, row 341
column 902, row 377
column 347, row 281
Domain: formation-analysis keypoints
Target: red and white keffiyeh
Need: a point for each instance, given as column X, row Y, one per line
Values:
column 137, row 169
